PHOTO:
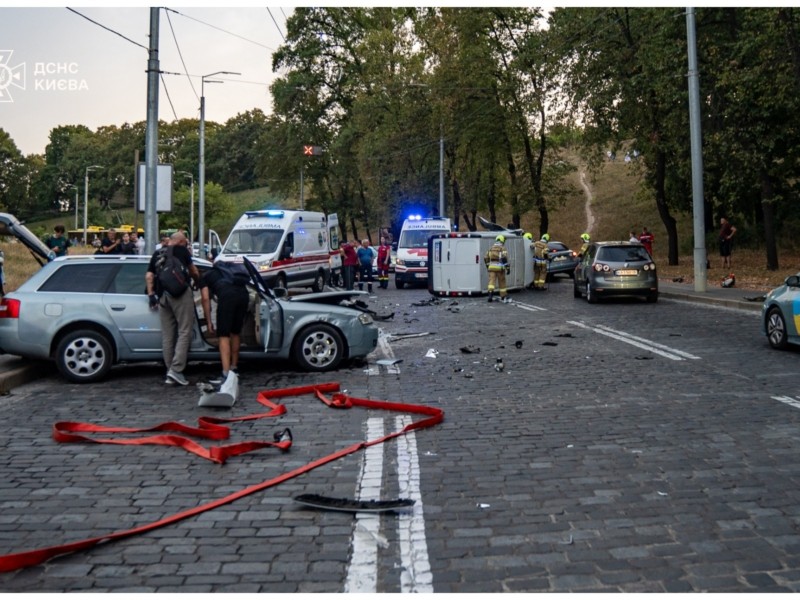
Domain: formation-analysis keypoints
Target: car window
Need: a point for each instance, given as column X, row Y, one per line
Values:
column 557, row 247
column 86, row 278
column 130, row 279
column 622, row 253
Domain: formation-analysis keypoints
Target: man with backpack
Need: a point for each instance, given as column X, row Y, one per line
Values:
column 168, row 279
column 227, row 283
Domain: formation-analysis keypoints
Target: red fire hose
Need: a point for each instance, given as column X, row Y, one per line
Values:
column 212, row 428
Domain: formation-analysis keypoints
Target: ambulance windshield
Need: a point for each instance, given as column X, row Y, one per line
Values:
column 253, row 241
column 416, row 238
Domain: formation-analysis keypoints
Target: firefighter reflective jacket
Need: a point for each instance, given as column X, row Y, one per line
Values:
column 496, row 258
column 540, row 250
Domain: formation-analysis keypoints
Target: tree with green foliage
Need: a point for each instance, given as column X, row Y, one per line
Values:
column 13, row 171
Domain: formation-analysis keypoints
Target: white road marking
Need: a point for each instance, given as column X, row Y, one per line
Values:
column 644, row 344
column 529, row 307
column 787, row 400
column 416, row 576
column 362, row 571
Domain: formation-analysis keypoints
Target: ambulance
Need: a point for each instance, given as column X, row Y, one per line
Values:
column 411, row 265
column 456, row 266
column 290, row 248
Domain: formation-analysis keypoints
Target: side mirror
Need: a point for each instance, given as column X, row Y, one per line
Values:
column 792, row 281
column 280, row 292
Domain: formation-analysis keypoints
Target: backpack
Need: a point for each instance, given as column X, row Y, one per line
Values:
column 232, row 273
column 172, row 275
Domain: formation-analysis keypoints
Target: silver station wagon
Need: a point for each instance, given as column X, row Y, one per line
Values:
column 90, row 312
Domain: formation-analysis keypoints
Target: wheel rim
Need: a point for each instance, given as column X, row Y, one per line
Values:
column 588, row 291
column 776, row 329
column 85, row 357
column 319, row 349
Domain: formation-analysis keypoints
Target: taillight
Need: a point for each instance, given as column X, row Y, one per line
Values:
column 9, row 308
column 601, row 267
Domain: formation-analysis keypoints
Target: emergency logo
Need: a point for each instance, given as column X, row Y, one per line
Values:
column 10, row 76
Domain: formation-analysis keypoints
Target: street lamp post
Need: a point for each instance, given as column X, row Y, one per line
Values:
column 75, row 187
column 86, row 200
column 191, row 205
column 201, row 212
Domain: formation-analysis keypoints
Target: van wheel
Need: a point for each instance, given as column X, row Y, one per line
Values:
column 280, row 281
column 318, row 347
column 399, row 284
column 319, row 282
column 84, row 356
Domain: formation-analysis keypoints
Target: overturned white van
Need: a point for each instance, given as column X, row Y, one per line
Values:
column 456, row 266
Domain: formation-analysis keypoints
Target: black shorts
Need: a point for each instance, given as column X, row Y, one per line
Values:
column 231, row 310
column 725, row 247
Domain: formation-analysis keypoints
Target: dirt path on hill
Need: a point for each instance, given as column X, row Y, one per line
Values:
column 590, row 218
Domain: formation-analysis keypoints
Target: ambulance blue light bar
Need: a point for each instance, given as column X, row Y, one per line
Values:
column 270, row 214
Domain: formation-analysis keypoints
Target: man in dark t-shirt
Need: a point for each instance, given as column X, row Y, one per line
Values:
column 232, row 301
column 58, row 242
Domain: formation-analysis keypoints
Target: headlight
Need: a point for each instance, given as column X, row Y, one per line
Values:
column 366, row 319
column 263, row 265
column 400, row 261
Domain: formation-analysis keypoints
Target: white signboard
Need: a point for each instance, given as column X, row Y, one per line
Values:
column 163, row 188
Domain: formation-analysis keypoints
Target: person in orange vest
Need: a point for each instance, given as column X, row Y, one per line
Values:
column 384, row 260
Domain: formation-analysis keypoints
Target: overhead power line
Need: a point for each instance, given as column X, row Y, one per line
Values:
column 276, row 25
column 220, row 29
column 107, row 28
column 180, row 54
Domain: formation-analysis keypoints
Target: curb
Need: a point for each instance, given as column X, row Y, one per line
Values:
column 20, row 373
column 700, row 298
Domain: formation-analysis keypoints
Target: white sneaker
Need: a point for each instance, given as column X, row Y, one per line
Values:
column 177, row 377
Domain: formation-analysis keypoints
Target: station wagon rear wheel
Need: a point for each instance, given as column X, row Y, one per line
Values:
column 318, row 347
column 591, row 295
column 84, row 356
column 776, row 329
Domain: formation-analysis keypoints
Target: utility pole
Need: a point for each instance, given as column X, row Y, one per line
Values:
column 695, row 134
column 151, row 232
column 441, row 170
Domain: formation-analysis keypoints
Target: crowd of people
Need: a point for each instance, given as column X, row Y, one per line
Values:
column 357, row 260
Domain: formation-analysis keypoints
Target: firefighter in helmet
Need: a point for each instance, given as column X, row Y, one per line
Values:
column 496, row 261
column 585, row 239
column 540, row 256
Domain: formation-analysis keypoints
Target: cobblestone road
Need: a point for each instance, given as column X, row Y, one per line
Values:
column 623, row 447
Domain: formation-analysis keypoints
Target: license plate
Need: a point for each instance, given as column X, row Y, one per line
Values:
column 421, row 275
column 628, row 272
column 558, row 258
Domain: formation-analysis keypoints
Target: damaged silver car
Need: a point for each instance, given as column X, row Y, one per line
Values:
column 90, row 312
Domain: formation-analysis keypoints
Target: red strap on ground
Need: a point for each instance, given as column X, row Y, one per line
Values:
column 207, row 425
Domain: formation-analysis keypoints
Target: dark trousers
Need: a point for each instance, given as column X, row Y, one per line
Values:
column 365, row 274
column 349, row 275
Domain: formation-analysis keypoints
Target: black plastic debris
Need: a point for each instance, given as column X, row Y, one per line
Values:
column 518, row 344
column 569, row 335
column 549, row 344
column 643, row 357
column 470, row 350
column 349, row 505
